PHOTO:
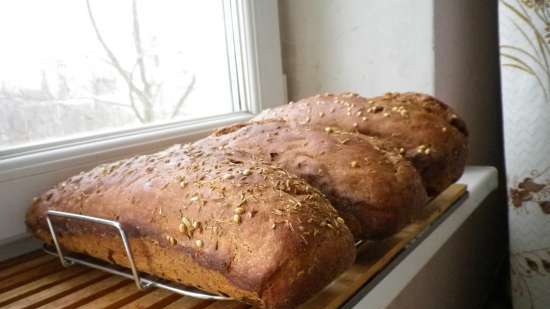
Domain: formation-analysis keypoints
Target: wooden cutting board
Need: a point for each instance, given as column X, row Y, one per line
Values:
column 36, row 280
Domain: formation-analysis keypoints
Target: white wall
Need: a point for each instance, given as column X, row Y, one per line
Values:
column 443, row 47
column 370, row 47
column 447, row 48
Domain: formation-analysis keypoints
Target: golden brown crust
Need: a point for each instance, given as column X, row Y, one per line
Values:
column 432, row 136
column 374, row 189
column 211, row 220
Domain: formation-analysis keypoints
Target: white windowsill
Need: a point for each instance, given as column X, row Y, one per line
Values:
column 481, row 181
column 39, row 159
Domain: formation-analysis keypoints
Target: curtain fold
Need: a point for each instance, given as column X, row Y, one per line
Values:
column 524, row 28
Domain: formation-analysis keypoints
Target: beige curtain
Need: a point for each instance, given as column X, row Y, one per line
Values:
column 524, row 28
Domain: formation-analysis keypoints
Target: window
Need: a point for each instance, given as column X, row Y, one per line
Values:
column 89, row 81
column 77, row 68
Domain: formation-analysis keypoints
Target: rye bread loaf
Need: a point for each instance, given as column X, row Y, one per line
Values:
column 376, row 191
column 426, row 131
column 210, row 220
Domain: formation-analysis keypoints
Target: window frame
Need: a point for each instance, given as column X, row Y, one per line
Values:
column 256, row 66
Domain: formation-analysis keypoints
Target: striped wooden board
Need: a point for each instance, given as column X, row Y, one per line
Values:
column 37, row 280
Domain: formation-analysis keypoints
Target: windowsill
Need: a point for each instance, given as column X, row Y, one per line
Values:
column 380, row 293
column 158, row 135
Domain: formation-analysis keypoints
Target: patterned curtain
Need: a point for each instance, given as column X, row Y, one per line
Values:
column 524, row 27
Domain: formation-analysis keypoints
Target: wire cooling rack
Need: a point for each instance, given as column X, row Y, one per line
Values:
column 142, row 281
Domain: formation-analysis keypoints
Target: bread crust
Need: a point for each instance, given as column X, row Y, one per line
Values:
column 375, row 189
column 242, row 228
column 427, row 131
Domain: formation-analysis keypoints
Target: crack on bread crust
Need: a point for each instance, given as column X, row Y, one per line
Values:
column 357, row 173
column 410, row 120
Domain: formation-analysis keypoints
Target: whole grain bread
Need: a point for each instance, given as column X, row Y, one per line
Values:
column 427, row 132
column 242, row 228
column 376, row 191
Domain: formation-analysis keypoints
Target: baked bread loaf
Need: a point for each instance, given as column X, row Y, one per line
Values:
column 425, row 130
column 210, row 220
column 376, row 191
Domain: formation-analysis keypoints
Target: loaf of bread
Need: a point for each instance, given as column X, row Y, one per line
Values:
column 376, row 191
column 426, row 131
column 210, row 220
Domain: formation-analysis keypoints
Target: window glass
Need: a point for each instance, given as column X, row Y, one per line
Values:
column 74, row 67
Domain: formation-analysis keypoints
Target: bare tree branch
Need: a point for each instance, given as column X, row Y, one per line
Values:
column 148, row 95
column 45, row 86
column 114, row 61
column 134, row 107
column 132, row 100
column 139, row 51
column 184, row 96
column 99, row 100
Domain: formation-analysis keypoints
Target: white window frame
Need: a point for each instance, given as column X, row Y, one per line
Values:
column 256, row 66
